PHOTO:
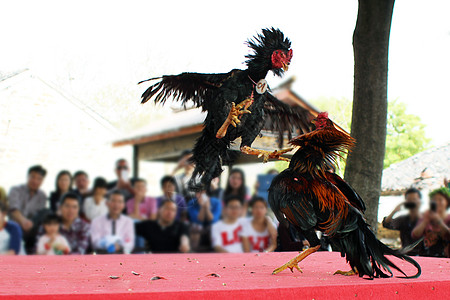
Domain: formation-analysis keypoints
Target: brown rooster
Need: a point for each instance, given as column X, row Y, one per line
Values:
column 311, row 198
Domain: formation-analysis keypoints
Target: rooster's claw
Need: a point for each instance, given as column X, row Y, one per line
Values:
column 233, row 117
column 266, row 155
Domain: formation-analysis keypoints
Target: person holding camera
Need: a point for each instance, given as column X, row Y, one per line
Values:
column 434, row 225
column 406, row 223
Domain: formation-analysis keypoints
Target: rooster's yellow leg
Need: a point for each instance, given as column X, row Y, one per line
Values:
column 233, row 116
column 293, row 263
column 348, row 273
column 266, row 155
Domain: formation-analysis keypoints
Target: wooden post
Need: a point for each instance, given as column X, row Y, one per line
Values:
column 135, row 161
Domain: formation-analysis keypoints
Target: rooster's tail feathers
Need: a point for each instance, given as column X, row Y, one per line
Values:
column 367, row 254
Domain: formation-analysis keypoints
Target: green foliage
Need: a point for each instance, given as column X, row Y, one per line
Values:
column 280, row 166
column 405, row 132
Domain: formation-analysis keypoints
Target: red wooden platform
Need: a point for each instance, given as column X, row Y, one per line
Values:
column 241, row 276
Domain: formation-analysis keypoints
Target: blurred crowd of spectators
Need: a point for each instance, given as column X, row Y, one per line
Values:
column 428, row 233
column 121, row 217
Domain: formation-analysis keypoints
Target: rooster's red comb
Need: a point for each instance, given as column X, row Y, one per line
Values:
column 322, row 115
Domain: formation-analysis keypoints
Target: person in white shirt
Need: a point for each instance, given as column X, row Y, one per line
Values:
column 225, row 234
column 113, row 232
column 52, row 242
column 95, row 205
column 258, row 233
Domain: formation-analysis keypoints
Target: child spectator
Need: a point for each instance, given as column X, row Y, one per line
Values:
column 203, row 211
column 10, row 234
column 113, row 232
column 95, row 205
column 63, row 185
column 141, row 207
column 168, row 186
column 52, row 243
column 166, row 234
column 406, row 223
column 259, row 233
column 236, row 187
column 435, row 225
column 225, row 234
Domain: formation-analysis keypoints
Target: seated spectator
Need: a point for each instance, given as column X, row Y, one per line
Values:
column 52, row 242
column 182, row 179
column 168, row 186
column 225, row 234
column 203, row 211
column 63, row 185
column 73, row 228
column 113, row 232
column 81, row 182
column 141, row 207
column 434, row 225
column 258, row 233
column 10, row 234
column 166, row 234
column 236, row 187
column 25, row 202
column 406, row 223
column 95, row 205
column 124, row 183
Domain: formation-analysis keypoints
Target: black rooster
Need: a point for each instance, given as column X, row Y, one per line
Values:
column 311, row 198
column 239, row 98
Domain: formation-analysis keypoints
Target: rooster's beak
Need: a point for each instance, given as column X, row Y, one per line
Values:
column 285, row 66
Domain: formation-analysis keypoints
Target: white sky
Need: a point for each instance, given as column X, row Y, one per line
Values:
column 99, row 43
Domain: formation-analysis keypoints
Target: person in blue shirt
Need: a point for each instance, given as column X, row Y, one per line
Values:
column 203, row 211
column 10, row 234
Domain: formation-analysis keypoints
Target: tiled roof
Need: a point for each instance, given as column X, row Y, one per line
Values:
column 425, row 170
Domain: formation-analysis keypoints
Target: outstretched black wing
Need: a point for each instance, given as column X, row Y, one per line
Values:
column 281, row 117
column 185, row 87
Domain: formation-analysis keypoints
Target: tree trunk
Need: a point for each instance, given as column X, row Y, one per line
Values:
column 370, row 47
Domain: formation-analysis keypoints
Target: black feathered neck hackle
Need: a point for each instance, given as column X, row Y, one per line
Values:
column 263, row 45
